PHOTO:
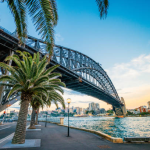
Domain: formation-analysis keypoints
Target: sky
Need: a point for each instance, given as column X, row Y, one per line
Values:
column 121, row 43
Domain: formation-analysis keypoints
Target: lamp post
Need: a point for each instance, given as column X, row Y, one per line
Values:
column 68, row 101
column 46, row 119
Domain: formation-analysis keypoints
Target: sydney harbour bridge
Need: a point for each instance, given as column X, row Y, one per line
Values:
column 79, row 72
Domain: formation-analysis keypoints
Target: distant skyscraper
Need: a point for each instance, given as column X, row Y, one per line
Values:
column 78, row 110
column 148, row 104
column 93, row 106
column 66, row 110
column 71, row 110
column 97, row 106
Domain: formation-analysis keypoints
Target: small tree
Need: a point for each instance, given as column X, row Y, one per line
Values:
column 40, row 101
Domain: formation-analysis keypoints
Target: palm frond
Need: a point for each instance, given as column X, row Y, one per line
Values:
column 49, row 70
column 54, row 75
column 54, row 9
column 7, row 78
column 16, row 88
column 59, row 83
column 44, row 18
column 103, row 7
column 18, row 10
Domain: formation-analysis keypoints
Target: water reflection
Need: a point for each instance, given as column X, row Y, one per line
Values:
column 116, row 127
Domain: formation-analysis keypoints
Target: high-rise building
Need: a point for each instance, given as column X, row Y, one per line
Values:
column 96, row 106
column 84, row 111
column 148, row 104
column 71, row 110
column 93, row 106
column 66, row 110
column 78, row 110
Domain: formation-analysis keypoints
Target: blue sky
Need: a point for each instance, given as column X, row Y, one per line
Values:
column 125, row 32
column 124, row 36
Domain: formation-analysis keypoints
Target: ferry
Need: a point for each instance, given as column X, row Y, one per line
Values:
column 119, row 116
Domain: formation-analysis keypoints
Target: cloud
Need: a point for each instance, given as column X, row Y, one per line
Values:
column 133, row 78
column 128, row 72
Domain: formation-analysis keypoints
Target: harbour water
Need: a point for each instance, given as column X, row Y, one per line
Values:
column 116, row 127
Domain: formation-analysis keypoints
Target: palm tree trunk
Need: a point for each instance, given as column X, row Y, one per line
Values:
column 20, row 133
column 4, row 72
column 36, row 120
column 32, row 122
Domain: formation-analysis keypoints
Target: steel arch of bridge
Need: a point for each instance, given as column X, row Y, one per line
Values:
column 76, row 62
column 79, row 63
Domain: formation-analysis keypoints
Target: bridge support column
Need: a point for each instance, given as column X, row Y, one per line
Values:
column 120, row 110
column 124, row 107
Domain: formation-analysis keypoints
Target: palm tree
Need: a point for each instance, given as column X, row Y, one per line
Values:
column 44, row 16
column 28, row 77
column 40, row 101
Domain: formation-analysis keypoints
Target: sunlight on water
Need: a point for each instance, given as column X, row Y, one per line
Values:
column 116, row 127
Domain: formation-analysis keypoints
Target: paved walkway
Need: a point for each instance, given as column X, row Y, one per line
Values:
column 54, row 137
column 7, row 129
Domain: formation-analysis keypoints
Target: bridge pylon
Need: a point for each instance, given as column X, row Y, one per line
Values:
column 120, row 110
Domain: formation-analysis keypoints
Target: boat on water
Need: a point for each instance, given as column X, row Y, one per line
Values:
column 119, row 116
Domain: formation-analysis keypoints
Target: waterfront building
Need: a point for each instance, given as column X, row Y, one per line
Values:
column 142, row 109
column 97, row 106
column 43, row 112
column 148, row 104
column 93, row 106
column 66, row 110
column 78, row 110
column 71, row 110
column 84, row 110
column 134, row 111
column 102, row 111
